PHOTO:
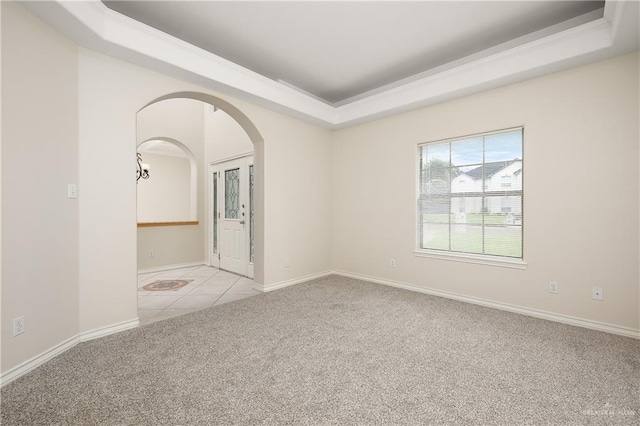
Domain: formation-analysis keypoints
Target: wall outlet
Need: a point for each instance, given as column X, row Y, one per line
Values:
column 18, row 326
column 287, row 263
column 553, row 287
column 596, row 293
column 393, row 263
column 150, row 254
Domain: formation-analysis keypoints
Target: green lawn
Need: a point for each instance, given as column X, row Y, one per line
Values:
column 498, row 241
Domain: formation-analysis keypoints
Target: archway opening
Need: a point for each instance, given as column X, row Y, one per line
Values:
column 212, row 110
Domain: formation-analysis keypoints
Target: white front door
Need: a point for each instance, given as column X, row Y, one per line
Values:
column 232, row 202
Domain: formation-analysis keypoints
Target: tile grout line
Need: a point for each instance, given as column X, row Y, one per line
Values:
column 185, row 294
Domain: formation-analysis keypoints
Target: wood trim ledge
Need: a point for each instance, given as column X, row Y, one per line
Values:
column 150, row 224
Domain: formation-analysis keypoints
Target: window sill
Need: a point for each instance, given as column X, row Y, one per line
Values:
column 472, row 258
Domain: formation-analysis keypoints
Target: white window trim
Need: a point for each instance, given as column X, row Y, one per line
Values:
column 479, row 259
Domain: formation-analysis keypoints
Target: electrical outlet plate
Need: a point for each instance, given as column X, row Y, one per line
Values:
column 393, row 263
column 596, row 293
column 18, row 326
column 287, row 263
column 553, row 287
column 150, row 254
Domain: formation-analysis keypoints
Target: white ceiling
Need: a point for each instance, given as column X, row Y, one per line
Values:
column 338, row 50
column 350, row 62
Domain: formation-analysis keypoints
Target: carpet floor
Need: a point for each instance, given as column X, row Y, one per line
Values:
column 337, row 351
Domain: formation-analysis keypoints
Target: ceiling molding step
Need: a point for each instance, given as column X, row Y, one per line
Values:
column 123, row 31
column 93, row 25
column 568, row 44
column 113, row 29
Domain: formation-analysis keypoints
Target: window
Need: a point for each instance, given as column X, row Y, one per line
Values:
column 231, row 193
column 252, row 245
column 464, row 205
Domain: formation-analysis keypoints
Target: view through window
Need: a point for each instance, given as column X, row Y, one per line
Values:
column 470, row 194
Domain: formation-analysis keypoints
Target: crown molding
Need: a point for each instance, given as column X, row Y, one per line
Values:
column 92, row 25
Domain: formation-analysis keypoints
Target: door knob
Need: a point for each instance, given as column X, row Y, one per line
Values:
column 242, row 222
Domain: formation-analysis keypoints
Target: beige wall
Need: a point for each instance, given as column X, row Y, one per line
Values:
column 580, row 202
column 298, row 198
column 166, row 197
column 183, row 121
column 224, row 137
column 39, row 159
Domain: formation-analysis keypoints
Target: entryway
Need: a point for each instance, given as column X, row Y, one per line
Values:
column 227, row 136
column 232, row 216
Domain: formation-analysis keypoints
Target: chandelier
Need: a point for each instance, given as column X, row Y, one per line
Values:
column 143, row 169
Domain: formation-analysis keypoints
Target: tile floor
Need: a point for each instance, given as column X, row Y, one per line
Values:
column 210, row 287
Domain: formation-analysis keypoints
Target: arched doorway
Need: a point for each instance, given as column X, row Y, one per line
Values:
column 255, row 141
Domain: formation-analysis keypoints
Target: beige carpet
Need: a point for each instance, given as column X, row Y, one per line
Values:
column 337, row 351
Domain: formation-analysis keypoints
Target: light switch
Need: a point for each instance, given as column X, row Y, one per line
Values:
column 72, row 191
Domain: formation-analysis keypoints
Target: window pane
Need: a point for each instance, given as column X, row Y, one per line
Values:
column 215, row 212
column 503, row 176
column 466, row 238
column 436, row 151
column 435, row 236
column 468, row 151
column 503, row 210
column 436, row 179
column 466, row 210
column 436, row 209
column 503, row 240
column 251, row 213
column 231, row 193
column 503, row 146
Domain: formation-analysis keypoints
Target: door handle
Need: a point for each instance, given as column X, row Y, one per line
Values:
column 242, row 222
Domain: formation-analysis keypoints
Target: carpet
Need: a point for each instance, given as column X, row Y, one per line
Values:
column 337, row 351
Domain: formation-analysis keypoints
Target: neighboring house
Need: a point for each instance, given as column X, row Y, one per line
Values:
column 498, row 178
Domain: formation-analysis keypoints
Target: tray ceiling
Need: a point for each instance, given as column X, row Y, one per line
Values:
column 339, row 50
column 338, row 64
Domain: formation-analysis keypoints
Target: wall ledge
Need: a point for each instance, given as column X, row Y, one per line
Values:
column 152, row 224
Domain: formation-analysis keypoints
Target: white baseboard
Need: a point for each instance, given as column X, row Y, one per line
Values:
column 38, row 360
column 565, row 319
column 169, row 267
column 56, row 350
column 283, row 284
column 110, row 329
